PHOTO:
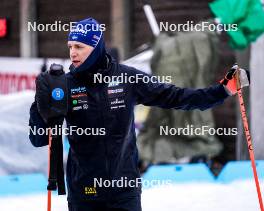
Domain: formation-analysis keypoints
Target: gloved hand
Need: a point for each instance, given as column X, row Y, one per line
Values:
column 51, row 95
column 236, row 78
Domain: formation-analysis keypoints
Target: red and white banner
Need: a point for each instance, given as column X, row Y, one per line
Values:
column 17, row 74
column 10, row 82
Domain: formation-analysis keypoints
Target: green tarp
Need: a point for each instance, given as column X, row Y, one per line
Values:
column 247, row 14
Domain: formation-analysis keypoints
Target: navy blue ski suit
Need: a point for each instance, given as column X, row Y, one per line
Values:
column 111, row 153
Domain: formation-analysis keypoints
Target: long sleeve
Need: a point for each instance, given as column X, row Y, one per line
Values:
column 35, row 123
column 169, row 96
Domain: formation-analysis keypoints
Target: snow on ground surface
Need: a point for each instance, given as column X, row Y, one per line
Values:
column 235, row 196
column 17, row 155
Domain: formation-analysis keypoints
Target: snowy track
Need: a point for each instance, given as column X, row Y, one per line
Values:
column 236, row 196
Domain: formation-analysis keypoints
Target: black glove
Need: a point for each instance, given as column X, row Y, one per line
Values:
column 51, row 95
column 230, row 81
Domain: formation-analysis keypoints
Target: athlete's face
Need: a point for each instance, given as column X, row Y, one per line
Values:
column 79, row 52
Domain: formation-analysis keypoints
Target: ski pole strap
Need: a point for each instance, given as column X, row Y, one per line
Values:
column 56, row 171
column 60, row 170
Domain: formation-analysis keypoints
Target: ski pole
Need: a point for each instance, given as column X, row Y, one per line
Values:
column 248, row 137
column 49, row 191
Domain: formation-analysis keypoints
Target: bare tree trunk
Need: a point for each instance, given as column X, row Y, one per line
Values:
column 257, row 96
column 28, row 39
column 242, row 58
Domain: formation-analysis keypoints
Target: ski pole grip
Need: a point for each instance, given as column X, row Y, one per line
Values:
column 51, row 93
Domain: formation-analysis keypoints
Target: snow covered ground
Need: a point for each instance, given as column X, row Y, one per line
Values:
column 236, row 196
column 17, row 155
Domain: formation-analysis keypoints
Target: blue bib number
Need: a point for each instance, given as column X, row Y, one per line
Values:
column 57, row 94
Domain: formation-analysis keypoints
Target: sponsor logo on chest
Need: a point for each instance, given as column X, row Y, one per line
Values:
column 115, row 91
column 79, row 98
